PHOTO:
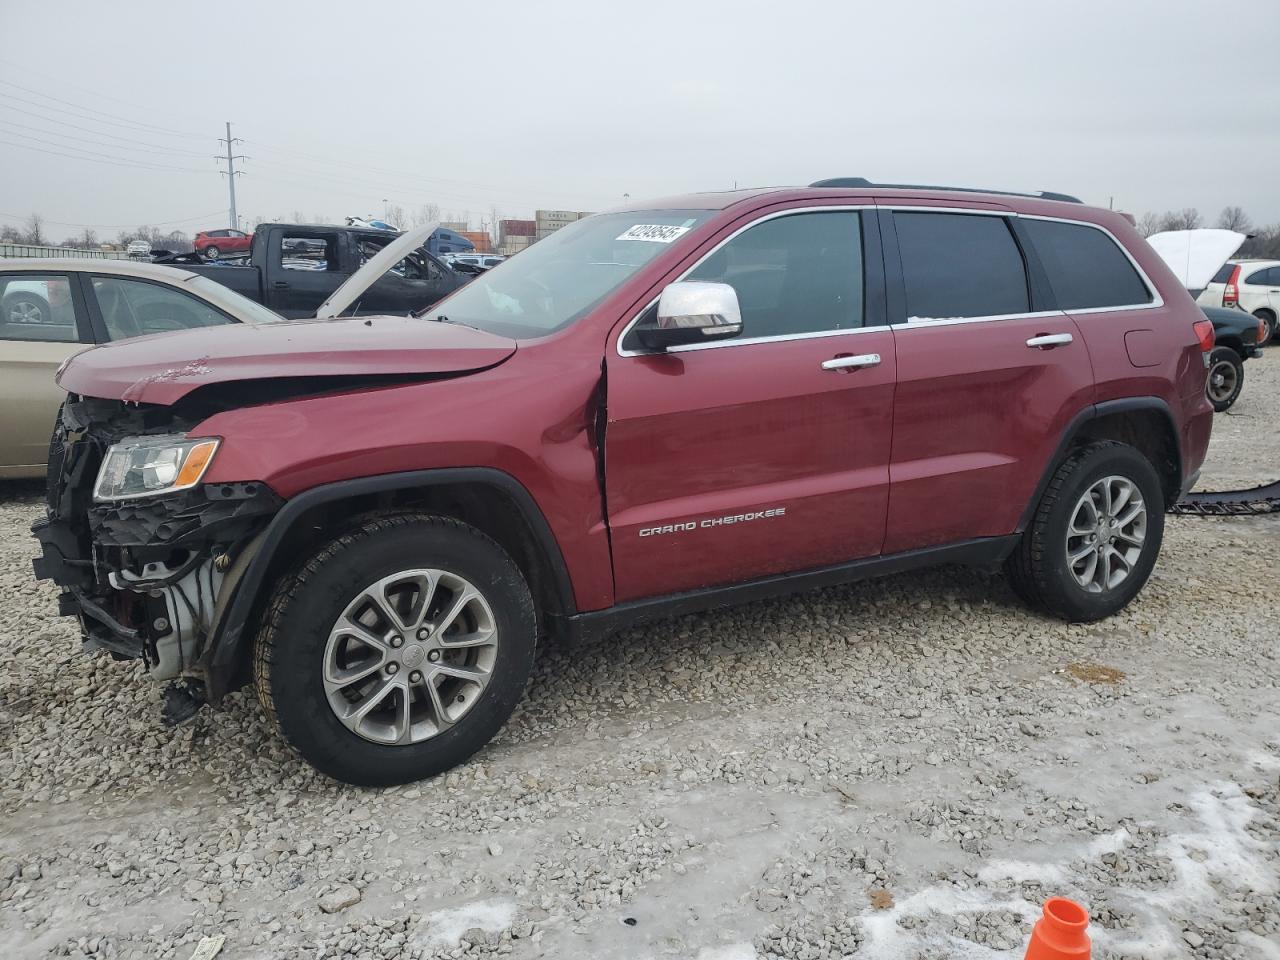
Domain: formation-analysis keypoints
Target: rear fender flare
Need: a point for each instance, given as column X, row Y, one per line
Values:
column 1077, row 425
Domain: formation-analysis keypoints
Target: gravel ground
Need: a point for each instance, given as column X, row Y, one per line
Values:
column 900, row 769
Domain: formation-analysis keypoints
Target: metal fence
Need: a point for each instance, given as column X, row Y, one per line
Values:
column 29, row 250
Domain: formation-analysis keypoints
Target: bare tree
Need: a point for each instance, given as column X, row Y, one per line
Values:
column 494, row 215
column 1186, row 219
column 10, row 235
column 89, row 239
column 1264, row 244
column 1234, row 218
column 1148, row 224
column 35, row 230
column 396, row 216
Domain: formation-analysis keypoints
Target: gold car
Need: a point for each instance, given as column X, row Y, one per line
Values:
column 52, row 309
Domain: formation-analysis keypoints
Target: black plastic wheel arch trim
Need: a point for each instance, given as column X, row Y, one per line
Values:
column 585, row 627
column 1093, row 412
column 229, row 638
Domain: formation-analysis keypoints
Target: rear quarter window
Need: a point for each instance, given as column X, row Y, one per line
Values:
column 1086, row 269
column 1224, row 273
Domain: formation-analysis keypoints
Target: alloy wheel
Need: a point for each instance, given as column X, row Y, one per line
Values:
column 410, row 656
column 1106, row 535
column 24, row 311
column 1224, row 378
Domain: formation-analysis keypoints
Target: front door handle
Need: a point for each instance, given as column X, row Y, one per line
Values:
column 1045, row 340
column 280, row 284
column 845, row 363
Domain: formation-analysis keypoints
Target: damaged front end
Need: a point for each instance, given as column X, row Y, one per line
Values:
column 148, row 576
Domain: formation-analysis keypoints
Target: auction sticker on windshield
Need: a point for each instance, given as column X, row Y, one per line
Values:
column 654, row 232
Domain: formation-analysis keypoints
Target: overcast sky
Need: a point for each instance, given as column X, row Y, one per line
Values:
column 489, row 103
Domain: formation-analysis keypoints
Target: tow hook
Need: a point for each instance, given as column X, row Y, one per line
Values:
column 182, row 699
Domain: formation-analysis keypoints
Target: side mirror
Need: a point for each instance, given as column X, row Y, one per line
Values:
column 692, row 311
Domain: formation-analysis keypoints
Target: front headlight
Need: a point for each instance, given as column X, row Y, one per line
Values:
column 147, row 466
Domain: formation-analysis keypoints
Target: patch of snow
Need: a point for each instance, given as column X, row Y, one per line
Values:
column 446, row 927
column 734, row 951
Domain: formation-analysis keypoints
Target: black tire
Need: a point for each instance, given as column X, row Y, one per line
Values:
column 290, row 646
column 1038, row 568
column 1269, row 318
column 1225, row 379
column 210, row 253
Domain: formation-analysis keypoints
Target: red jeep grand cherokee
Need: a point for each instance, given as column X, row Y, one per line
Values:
column 673, row 406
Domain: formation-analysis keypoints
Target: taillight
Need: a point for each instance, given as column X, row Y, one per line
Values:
column 1231, row 295
column 1204, row 333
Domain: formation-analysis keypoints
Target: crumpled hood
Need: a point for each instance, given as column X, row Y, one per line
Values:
column 161, row 369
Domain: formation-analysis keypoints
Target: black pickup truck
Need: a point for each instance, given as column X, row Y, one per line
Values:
column 293, row 268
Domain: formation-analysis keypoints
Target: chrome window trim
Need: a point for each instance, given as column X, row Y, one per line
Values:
column 749, row 341
column 1156, row 302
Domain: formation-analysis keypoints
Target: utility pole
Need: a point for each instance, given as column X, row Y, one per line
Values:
column 231, row 172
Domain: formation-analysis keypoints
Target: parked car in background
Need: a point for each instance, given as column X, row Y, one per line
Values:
column 294, row 268
column 53, row 309
column 56, row 308
column 652, row 411
column 138, row 249
column 485, row 261
column 1196, row 257
column 212, row 244
column 1252, row 285
column 1236, row 338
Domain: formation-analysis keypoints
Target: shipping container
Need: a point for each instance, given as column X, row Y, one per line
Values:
column 457, row 226
column 480, row 238
column 555, row 216
column 517, row 228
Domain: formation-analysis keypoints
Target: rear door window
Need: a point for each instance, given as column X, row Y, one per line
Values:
column 1261, row 278
column 960, row 265
column 1086, row 269
column 38, row 308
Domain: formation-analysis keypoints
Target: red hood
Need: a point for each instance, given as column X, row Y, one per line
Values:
column 162, row 369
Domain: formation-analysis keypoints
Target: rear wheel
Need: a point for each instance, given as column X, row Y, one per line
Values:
column 1268, row 318
column 397, row 651
column 1226, row 378
column 1095, row 535
column 211, row 253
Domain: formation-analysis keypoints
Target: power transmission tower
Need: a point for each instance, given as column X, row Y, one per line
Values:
column 231, row 172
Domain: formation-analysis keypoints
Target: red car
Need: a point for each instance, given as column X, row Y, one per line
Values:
column 669, row 407
column 212, row 244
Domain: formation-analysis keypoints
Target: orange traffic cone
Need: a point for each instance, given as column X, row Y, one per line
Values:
column 1060, row 933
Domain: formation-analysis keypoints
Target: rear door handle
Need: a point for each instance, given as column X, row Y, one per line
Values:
column 845, row 363
column 1050, row 340
column 280, row 284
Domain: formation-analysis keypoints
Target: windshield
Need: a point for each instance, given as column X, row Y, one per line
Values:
column 237, row 303
column 558, row 279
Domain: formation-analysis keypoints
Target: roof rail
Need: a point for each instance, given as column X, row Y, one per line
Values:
column 864, row 182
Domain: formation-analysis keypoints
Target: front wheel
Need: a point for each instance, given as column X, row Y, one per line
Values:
column 1095, row 535
column 397, row 651
column 1226, row 378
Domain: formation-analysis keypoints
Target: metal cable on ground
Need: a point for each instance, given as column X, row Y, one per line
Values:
column 1230, row 503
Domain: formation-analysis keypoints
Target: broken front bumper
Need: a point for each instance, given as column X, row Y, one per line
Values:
column 147, row 578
